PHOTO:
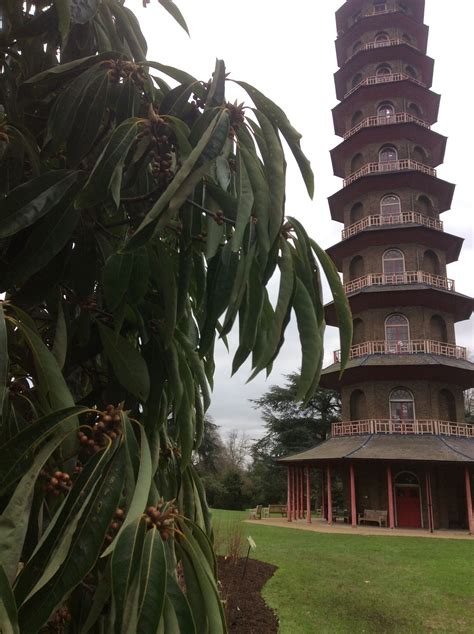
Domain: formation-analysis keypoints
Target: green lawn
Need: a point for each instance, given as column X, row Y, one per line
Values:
column 355, row 583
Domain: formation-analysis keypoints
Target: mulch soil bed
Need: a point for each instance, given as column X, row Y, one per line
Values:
column 246, row 611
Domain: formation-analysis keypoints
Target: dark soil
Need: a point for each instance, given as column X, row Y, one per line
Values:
column 246, row 611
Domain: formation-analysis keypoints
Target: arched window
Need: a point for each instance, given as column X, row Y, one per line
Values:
column 385, row 112
column 356, row 118
column 357, row 46
column 356, row 80
column 425, row 206
column 356, row 267
column 356, row 162
column 357, row 212
column 382, row 39
column 406, row 477
column 390, row 205
column 415, row 110
column 358, row 405
column 438, row 329
column 402, row 405
column 418, row 154
column 446, row 405
column 384, row 70
column 406, row 38
column 431, row 263
column 397, row 334
column 380, row 7
column 393, row 262
column 388, row 154
column 358, row 331
column 410, row 71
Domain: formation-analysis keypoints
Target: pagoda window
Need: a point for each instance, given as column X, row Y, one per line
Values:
column 358, row 331
column 357, row 46
column 431, row 263
column 384, row 70
column 385, row 112
column 397, row 334
column 388, row 154
column 356, row 267
column 402, row 405
column 438, row 329
column 356, row 80
column 393, row 262
column 419, row 154
column 415, row 110
column 358, row 405
column 425, row 206
column 357, row 212
column 382, row 39
column 357, row 162
column 356, row 118
column 390, row 205
column 410, row 71
column 406, row 38
column 406, row 478
column 446, row 406
column 380, row 7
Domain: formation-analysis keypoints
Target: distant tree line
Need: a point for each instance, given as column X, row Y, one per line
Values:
column 238, row 472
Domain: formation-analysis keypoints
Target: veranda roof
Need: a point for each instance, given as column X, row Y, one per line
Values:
column 427, row 448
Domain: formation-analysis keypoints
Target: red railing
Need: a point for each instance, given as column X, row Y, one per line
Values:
column 408, row 277
column 396, row 117
column 379, row 220
column 416, row 346
column 389, row 166
column 408, row 427
column 372, row 45
column 383, row 79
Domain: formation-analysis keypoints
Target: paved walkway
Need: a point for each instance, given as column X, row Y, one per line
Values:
column 319, row 525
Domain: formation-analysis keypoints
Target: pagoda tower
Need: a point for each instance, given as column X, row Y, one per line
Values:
column 403, row 435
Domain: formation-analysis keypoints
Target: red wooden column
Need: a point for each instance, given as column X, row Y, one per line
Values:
column 470, row 518
column 391, row 514
column 296, row 495
column 353, row 496
column 329, row 494
column 429, row 502
column 288, row 496
column 293, row 495
column 292, row 511
column 308, row 495
column 323, row 496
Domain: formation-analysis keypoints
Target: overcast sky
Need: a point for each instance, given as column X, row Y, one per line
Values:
column 286, row 49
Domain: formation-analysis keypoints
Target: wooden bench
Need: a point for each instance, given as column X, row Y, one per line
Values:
column 341, row 514
column 277, row 508
column 256, row 513
column 373, row 516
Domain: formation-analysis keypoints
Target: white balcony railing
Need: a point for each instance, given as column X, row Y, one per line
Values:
column 409, row 427
column 383, row 44
column 394, row 279
column 384, row 79
column 389, row 166
column 396, row 117
column 416, row 346
column 379, row 220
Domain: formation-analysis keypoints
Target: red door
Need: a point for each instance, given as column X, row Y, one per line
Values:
column 408, row 506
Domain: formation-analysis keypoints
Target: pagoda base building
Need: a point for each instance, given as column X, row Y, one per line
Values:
column 403, row 455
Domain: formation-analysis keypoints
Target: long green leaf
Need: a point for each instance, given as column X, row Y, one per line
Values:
column 341, row 303
column 311, row 347
column 14, row 519
column 27, row 203
column 142, row 489
column 106, row 177
column 181, row 607
column 116, row 277
column 245, row 200
column 173, row 10
column 127, row 363
column 292, row 136
column 148, row 225
column 153, row 576
column 85, row 548
column 3, row 358
column 8, row 610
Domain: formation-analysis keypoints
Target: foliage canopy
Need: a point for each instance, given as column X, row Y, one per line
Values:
column 141, row 216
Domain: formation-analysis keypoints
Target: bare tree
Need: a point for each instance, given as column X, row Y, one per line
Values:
column 237, row 446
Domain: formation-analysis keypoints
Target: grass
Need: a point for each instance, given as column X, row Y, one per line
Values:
column 353, row 583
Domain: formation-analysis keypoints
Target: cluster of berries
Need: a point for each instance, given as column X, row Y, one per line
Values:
column 162, row 516
column 115, row 524
column 119, row 70
column 57, row 483
column 107, row 424
column 57, row 622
